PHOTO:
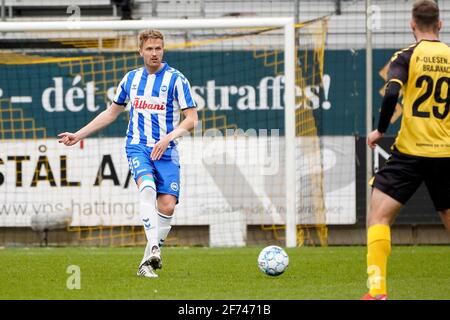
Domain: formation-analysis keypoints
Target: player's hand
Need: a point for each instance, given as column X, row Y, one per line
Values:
column 373, row 138
column 68, row 138
column 159, row 149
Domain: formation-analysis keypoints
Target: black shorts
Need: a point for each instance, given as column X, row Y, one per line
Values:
column 403, row 174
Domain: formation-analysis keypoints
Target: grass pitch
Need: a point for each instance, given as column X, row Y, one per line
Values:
column 421, row 272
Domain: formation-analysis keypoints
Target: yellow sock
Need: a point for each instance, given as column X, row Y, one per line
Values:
column 378, row 251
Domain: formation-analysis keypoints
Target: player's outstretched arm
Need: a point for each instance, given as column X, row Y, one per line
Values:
column 102, row 120
column 189, row 122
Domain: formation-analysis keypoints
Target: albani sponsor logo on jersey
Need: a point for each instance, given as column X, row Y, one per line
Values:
column 151, row 104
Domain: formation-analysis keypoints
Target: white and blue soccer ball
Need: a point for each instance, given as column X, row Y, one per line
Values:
column 273, row 260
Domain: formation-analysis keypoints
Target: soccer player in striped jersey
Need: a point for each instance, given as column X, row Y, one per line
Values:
column 156, row 93
column 421, row 152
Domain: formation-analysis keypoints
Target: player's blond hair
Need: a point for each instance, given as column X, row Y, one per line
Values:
column 426, row 15
column 149, row 34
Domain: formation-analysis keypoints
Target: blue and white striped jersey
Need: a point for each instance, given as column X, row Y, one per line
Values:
column 156, row 100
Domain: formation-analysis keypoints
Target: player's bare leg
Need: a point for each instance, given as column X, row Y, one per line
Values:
column 166, row 204
column 445, row 216
column 383, row 210
column 166, row 208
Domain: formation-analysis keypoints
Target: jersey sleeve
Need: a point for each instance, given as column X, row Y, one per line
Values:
column 183, row 93
column 388, row 105
column 399, row 66
column 121, row 97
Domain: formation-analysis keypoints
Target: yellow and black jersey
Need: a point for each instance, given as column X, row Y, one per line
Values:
column 423, row 71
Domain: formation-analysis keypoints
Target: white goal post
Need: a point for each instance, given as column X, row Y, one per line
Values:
column 286, row 23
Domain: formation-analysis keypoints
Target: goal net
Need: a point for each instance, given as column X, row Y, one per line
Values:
column 235, row 171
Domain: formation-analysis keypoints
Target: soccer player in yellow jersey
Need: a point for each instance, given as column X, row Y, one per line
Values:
column 421, row 152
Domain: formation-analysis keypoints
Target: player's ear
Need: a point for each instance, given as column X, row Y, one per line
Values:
column 413, row 25
column 439, row 25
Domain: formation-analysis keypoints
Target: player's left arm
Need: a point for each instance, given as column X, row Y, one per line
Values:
column 189, row 122
column 387, row 110
column 397, row 77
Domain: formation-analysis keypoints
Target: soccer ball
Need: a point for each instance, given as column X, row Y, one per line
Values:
column 273, row 260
